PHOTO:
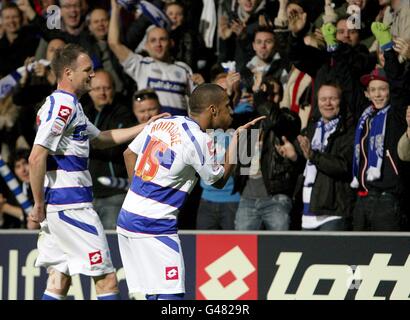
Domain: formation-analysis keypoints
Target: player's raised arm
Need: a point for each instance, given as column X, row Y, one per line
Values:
column 37, row 163
column 111, row 138
column 119, row 49
column 230, row 154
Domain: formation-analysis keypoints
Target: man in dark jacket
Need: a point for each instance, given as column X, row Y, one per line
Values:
column 327, row 147
column 265, row 180
column 18, row 41
column 70, row 27
column 267, row 58
column 330, row 65
column 106, row 112
column 95, row 42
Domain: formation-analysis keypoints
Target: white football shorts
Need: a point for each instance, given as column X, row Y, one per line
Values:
column 73, row 242
column 153, row 264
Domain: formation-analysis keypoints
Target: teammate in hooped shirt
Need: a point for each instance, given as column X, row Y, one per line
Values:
column 72, row 239
column 162, row 163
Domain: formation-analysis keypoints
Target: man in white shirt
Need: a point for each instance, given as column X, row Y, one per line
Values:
column 170, row 79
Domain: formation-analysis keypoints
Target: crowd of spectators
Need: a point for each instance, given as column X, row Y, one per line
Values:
column 331, row 77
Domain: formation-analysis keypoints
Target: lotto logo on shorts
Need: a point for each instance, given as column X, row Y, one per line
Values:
column 64, row 112
column 95, row 257
column 171, row 273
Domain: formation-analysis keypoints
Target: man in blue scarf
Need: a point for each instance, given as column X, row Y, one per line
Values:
column 378, row 173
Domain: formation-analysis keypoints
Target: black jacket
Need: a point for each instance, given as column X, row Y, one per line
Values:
column 279, row 174
column 40, row 23
column 31, row 97
column 13, row 55
column 187, row 46
column 90, row 44
column 108, row 162
column 331, row 192
column 399, row 82
column 346, row 65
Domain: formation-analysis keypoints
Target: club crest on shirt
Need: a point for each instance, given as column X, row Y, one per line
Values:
column 178, row 74
column 58, row 126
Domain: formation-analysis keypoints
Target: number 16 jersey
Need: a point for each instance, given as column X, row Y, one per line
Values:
column 171, row 152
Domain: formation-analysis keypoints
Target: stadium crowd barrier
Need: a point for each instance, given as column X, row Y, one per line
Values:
column 261, row 265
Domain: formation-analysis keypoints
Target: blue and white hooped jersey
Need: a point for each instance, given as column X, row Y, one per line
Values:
column 171, row 151
column 65, row 130
column 171, row 81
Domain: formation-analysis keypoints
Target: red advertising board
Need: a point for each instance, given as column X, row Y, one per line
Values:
column 226, row 267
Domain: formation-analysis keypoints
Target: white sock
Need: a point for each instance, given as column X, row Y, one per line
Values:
column 54, row 295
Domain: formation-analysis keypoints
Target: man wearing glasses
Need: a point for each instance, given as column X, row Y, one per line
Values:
column 72, row 26
column 107, row 112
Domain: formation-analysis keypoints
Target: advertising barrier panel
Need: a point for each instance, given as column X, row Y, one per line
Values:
column 245, row 266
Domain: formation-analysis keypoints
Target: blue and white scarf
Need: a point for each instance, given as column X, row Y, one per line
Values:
column 319, row 143
column 375, row 148
column 151, row 11
column 129, row 5
column 11, row 180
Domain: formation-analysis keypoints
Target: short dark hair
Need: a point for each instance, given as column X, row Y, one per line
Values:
column 342, row 17
column 205, row 95
column 346, row 17
column 263, row 29
column 331, row 83
column 18, row 155
column 175, row 3
column 215, row 71
column 270, row 79
column 11, row 5
column 145, row 94
column 66, row 57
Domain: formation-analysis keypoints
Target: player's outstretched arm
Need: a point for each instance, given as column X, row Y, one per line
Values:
column 230, row 154
column 119, row 49
column 111, row 138
column 37, row 165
